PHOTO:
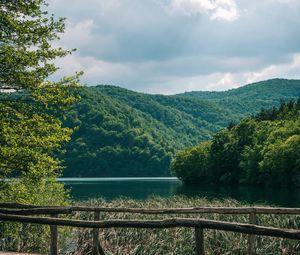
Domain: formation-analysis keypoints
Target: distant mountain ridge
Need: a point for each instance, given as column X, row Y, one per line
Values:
column 281, row 89
column 125, row 133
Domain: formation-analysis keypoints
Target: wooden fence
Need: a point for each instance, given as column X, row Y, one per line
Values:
column 20, row 213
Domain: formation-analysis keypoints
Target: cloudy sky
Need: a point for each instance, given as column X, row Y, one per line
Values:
column 171, row 46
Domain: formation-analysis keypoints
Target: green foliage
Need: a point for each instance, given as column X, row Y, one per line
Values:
column 31, row 113
column 124, row 133
column 114, row 139
column 30, row 128
column 252, row 97
column 28, row 237
column 181, row 241
column 261, row 150
column 191, row 165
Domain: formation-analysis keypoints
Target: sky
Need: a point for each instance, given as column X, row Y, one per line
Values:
column 173, row 46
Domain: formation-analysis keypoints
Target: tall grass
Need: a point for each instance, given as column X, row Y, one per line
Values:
column 180, row 241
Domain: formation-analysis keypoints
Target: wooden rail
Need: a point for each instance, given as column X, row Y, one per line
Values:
column 17, row 213
column 34, row 209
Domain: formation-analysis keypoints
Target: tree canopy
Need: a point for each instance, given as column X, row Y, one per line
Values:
column 31, row 105
column 119, row 132
column 259, row 150
column 31, row 113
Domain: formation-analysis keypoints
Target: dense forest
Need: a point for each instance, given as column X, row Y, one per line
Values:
column 119, row 132
column 260, row 150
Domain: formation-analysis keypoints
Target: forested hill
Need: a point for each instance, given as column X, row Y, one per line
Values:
column 251, row 97
column 260, row 150
column 270, row 90
column 124, row 133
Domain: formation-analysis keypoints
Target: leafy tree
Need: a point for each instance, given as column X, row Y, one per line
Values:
column 31, row 107
column 223, row 156
column 261, row 150
column 281, row 153
column 30, row 129
column 192, row 165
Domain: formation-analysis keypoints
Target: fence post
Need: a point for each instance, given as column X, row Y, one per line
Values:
column 199, row 236
column 97, row 249
column 252, row 238
column 54, row 238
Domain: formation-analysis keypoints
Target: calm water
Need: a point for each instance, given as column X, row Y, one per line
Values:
column 143, row 188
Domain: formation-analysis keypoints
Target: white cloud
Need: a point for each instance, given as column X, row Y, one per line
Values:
column 216, row 9
column 226, row 81
column 95, row 71
column 282, row 1
column 220, row 81
column 173, row 85
column 290, row 70
column 134, row 44
column 132, row 75
column 78, row 34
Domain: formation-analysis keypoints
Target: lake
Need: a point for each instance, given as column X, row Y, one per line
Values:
column 143, row 188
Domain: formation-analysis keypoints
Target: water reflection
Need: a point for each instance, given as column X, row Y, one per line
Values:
column 143, row 188
column 249, row 195
column 112, row 188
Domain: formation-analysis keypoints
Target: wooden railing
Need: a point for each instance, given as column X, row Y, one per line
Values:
column 19, row 213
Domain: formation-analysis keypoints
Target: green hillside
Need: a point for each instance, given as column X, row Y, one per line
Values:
column 119, row 132
column 260, row 150
column 270, row 90
column 252, row 97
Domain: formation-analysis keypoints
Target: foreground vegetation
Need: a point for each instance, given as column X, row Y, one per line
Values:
column 260, row 150
column 179, row 241
column 119, row 132
column 32, row 106
column 31, row 113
